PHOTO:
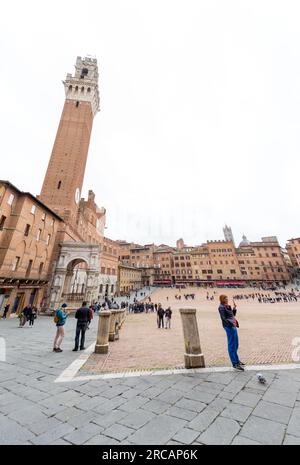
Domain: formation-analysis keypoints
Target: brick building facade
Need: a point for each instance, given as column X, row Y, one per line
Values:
column 28, row 230
column 293, row 251
column 218, row 262
column 129, row 279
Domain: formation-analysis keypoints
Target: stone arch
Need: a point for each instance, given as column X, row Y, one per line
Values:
column 76, row 260
column 76, row 278
column 76, row 275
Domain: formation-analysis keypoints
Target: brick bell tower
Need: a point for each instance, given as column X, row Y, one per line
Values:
column 61, row 189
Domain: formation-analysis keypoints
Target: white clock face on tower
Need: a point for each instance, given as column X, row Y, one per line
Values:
column 77, row 195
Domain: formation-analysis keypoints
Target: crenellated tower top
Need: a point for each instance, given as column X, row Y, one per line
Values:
column 83, row 86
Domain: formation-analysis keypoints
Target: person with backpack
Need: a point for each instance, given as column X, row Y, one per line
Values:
column 60, row 320
column 230, row 324
column 83, row 318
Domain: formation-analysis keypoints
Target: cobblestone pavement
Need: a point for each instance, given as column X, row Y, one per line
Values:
column 205, row 408
column 266, row 335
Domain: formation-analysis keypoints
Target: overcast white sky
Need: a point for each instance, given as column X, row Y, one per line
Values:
column 200, row 111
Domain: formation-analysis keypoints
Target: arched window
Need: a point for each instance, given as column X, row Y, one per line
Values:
column 84, row 72
column 82, row 89
column 70, row 87
column 89, row 89
column 76, row 89
column 59, row 184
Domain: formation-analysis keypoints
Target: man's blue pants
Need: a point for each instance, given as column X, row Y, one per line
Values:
column 233, row 344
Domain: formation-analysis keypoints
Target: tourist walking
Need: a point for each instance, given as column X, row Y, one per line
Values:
column 160, row 317
column 6, row 308
column 60, row 319
column 24, row 315
column 32, row 315
column 83, row 318
column 91, row 316
column 168, row 315
column 230, row 325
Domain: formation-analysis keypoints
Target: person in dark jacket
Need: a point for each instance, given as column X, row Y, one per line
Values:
column 160, row 317
column 25, row 315
column 230, row 324
column 6, row 308
column 83, row 318
column 32, row 315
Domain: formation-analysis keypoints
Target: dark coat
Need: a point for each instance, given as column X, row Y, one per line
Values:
column 227, row 315
column 83, row 316
column 160, row 312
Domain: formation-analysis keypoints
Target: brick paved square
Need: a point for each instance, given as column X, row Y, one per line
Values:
column 263, row 338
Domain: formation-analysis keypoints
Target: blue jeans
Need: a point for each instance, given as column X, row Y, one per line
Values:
column 233, row 344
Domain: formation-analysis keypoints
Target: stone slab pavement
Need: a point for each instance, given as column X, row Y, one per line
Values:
column 200, row 408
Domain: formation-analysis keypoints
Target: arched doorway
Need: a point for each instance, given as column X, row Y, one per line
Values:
column 75, row 284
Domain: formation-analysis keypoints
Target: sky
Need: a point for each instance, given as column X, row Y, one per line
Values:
column 200, row 111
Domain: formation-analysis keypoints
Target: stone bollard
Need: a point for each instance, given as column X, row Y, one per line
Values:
column 112, row 328
column 117, row 324
column 193, row 357
column 101, row 346
column 121, row 318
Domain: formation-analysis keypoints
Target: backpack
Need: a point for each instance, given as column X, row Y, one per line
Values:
column 56, row 319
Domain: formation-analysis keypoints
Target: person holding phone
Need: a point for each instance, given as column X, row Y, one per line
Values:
column 60, row 318
column 230, row 325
